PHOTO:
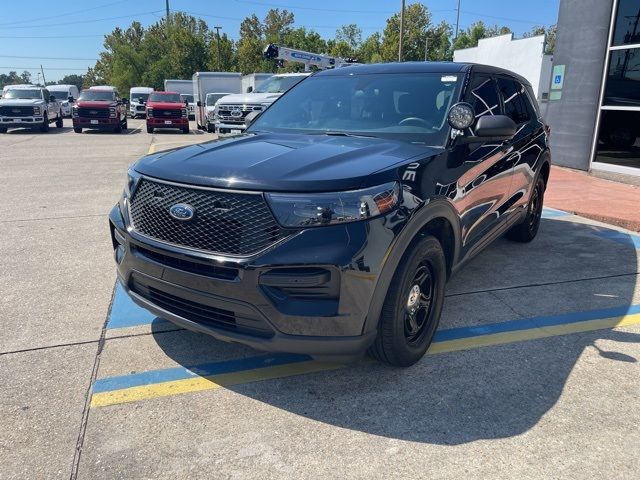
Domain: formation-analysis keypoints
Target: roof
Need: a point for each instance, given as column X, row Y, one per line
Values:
column 421, row 67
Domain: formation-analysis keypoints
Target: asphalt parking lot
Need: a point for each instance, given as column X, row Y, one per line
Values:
column 534, row 370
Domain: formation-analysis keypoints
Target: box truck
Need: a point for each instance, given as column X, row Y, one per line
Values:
column 223, row 83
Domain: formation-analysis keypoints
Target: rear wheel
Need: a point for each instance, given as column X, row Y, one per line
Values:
column 528, row 228
column 411, row 311
column 45, row 123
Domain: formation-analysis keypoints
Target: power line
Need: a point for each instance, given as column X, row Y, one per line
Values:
column 83, row 21
column 64, row 14
column 49, row 58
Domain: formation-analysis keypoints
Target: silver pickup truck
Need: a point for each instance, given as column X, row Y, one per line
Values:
column 29, row 106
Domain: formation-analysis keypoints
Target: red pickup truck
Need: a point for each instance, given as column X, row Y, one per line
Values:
column 101, row 109
column 167, row 110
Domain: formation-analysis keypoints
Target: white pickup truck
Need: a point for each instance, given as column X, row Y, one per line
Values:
column 230, row 111
column 29, row 106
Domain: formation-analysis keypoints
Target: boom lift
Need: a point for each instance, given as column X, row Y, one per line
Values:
column 278, row 52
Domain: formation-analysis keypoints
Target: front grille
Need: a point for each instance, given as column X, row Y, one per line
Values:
column 227, row 223
column 199, row 312
column 163, row 113
column 16, row 111
column 208, row 270
column 93, row 112
column 225, row 112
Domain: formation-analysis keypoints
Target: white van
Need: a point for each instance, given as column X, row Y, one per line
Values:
column 138, row 100
column 62, row 94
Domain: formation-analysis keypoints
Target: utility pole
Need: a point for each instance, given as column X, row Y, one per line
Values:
column 218, row 39
column 457, row 19
column 401, row 32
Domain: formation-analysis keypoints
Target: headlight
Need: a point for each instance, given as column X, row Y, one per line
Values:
column 318, row 209
column 133, row 178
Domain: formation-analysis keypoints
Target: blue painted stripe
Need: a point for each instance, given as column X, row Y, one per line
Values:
column 621, row 237
column 535, row 322
column 204, row 370
column 553, row 213
column 125, row 313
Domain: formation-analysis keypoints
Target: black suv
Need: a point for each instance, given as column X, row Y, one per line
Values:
column 332, row 225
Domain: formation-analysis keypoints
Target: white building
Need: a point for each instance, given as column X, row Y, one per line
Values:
column 523, row 56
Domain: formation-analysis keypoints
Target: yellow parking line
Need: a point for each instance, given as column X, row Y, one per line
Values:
column 201, row 383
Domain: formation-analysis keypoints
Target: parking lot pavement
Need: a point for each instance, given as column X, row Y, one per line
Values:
column 533, row 372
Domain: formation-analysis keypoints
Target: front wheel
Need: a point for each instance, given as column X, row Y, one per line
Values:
column 412, row 309
column 528, row 229
column 45, row 124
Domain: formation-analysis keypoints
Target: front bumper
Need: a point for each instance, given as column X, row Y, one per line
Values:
column 8, row 122
column 309, row 294
column 95, row 123
column 171, row 123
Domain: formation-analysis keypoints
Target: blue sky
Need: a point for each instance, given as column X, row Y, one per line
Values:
column 70, row 31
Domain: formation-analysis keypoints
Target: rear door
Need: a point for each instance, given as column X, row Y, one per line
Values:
column 484, row 181
column 527, row 144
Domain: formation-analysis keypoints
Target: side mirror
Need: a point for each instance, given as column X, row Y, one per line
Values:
column 496, row 127
column 249, row 89
column 199, row 103
column 251, row 117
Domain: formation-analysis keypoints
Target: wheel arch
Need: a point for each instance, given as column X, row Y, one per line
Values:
column 437, row 218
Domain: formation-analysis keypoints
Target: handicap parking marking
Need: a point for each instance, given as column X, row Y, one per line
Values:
column 125, row 313
column 620, row 237
column 554, row 213
column 173, row 381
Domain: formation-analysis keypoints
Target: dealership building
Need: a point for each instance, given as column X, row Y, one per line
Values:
column 594, row 98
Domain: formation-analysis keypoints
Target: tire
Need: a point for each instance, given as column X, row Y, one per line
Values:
column 410, row 316
column 149, row 129
column 185, row 130
column 77, row 129
column 45, row 123
column 527, row 230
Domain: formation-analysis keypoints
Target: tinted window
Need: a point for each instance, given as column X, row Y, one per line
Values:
column 623, row 78
column 514, row 100
column 483, row 96
column 627, row 28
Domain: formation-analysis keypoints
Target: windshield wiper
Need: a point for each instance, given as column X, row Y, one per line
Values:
column 345, row 134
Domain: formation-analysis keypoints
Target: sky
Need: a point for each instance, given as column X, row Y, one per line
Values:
column 65, row 36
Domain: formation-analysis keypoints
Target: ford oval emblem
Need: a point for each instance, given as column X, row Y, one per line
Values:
column 182, row 212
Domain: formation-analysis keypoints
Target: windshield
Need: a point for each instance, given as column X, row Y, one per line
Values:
column 139, row 97
column 97, row 96
column 407, row 107
column 188, row 98
column 279, row 84
column 212, row 98
column 23, row 93
column 165, row 97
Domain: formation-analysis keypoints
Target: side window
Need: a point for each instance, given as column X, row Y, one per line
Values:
column 514, row 100
column 482, row 95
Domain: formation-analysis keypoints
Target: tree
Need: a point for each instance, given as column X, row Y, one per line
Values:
column 477, row 31
column 550, row 32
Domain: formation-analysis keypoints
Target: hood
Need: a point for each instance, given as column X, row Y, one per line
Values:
column 284, row 162
column 167, row 105
column 95, row 104
column 21, row 101
column 246, row 98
